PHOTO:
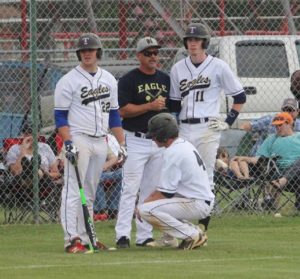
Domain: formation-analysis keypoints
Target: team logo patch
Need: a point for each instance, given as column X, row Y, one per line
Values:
column 152, row 90
column 192, row 29
column 149, row 41
column 85, row 40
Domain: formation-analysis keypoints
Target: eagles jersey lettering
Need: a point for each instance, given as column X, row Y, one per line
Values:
column 199, row 88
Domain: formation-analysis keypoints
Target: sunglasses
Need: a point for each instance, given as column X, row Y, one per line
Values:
column 280, row 119
column 288, row 109
column 148, row 53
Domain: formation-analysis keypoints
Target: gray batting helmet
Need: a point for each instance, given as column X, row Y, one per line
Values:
column 197, row 30
column 89, row 41
column 162, row 127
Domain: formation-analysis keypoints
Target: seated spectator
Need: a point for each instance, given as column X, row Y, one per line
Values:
column 262, row 127
column 284, row 145
column 109, row 189
column 236, row 167
column 289, row 181
column 19, row 161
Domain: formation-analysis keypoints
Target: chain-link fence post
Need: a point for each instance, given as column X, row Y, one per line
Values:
column 34, row 108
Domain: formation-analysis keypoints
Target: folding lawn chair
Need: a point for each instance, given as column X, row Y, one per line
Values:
column 235, row 194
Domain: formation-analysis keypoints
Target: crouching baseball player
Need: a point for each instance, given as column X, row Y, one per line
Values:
column 185, row 193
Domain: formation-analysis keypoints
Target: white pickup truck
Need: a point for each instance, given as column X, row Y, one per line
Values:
column 263, row 64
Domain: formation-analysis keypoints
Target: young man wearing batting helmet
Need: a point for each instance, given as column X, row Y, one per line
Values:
column 143, row 93
column 86, row 104
column 197, row 83
column 184, row 191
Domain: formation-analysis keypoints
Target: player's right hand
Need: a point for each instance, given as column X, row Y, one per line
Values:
column 122, row 155
column 71, row 152
column 158, row 104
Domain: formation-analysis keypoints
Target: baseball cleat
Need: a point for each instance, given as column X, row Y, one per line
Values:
column 193, row 243
column 77, row 248
column 123, row 242
column 149, row 242
column 201, row 228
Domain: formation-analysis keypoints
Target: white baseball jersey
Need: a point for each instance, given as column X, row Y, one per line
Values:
column 184, row 172
column 199, row 87
column 88, row 99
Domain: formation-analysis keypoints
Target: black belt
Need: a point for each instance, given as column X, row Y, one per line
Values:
column 95, row 137
column 195, row 120
column 207, row 202
column 141, row 135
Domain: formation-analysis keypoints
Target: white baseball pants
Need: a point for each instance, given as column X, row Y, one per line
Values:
column 171, row 215
column 141, row 173
column 206, row 142
column 92, row 155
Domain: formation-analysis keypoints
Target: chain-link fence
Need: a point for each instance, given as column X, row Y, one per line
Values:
column 258, row 39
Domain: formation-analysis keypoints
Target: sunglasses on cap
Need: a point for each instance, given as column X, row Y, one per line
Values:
column 288, row 109
column 148, row 53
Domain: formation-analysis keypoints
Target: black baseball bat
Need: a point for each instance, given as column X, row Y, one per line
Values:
column 89, row 225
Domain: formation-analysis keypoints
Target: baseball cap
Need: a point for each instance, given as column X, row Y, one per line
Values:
column 145, row 43
column 282, row 117
column 290, row 103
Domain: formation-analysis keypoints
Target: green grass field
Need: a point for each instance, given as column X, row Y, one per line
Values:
column 239, row 247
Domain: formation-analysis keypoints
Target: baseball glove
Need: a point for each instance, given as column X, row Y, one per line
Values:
column 217, row 124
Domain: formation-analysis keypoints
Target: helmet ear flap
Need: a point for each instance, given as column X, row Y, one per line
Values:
column 99, row 53
column 78, row 55
column 205, row 43
column 185, row 43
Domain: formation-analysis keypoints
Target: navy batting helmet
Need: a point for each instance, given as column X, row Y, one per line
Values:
column 197, row 30
column 162, row 127
column 89, row 41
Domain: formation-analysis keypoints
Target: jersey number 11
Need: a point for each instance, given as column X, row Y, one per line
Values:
column 199, row 96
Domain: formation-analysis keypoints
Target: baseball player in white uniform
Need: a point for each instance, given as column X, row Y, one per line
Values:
column 184, row 193
column 197, row 82
column 86, row 104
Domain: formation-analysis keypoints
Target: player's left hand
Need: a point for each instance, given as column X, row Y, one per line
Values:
column 122, row 156
column 217, row 124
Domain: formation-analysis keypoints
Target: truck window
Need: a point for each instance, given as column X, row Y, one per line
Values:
column 261, row 59
column 14, row 86
column 15, row 95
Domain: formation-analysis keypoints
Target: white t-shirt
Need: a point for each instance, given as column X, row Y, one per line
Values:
column 199, row 88
column 44, row 150
column 88, row 99
column 184, row 172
